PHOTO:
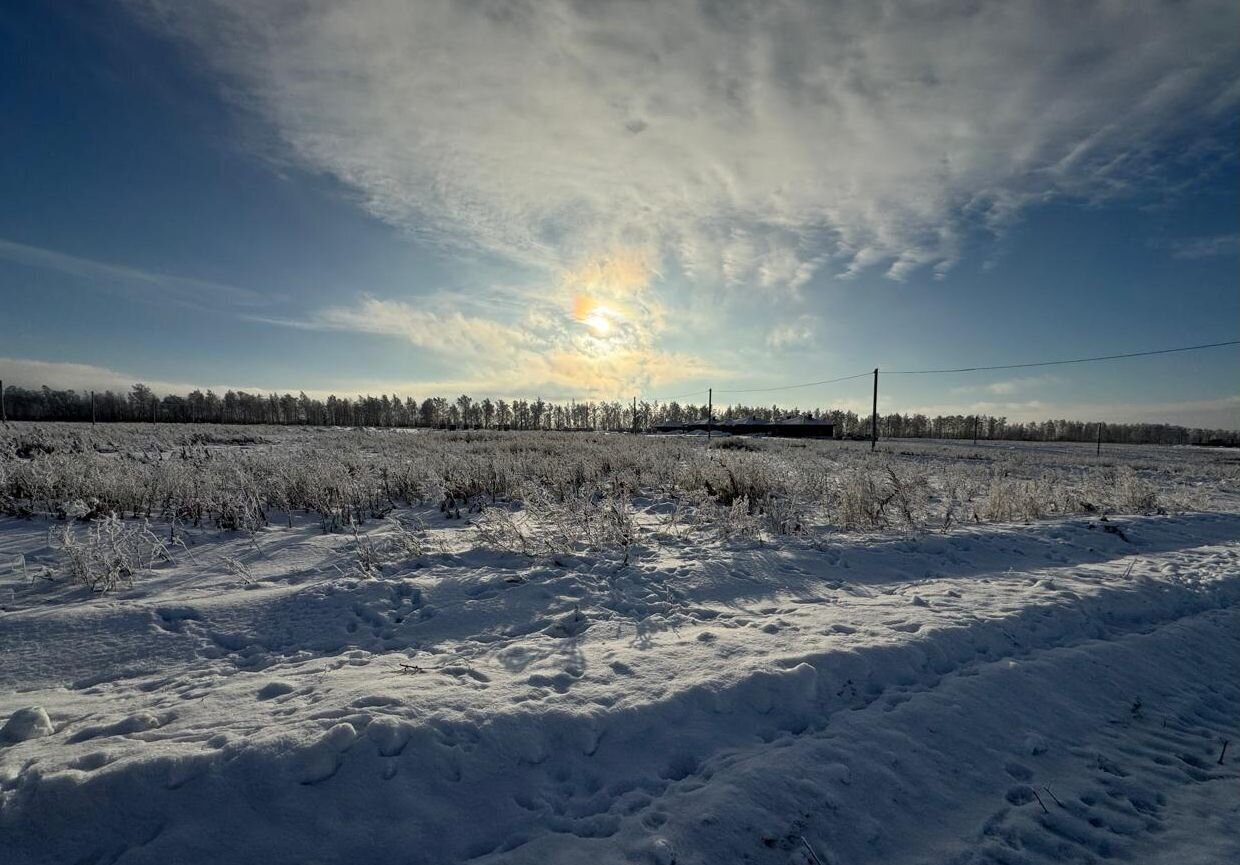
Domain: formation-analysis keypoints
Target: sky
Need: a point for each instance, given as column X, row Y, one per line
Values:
column 596, row 201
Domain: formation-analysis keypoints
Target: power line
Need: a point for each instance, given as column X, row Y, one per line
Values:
column 959, row 369
column 678, row 396
column 772, row 389
column 791, row 386
column 1061, row 362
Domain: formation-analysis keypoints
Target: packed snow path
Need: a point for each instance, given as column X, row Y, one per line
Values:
column 1058, row 692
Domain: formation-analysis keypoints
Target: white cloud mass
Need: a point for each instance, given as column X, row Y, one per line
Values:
column 745, row 143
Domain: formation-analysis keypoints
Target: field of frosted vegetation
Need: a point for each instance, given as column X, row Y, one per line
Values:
column 549, row 493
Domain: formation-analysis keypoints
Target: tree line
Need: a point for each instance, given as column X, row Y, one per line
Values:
column 141, row 404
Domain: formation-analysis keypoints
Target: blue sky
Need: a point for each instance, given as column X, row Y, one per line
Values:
column 588, row 201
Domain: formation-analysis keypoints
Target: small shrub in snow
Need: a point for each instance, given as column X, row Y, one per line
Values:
column 1132, row 494
column 109, row 553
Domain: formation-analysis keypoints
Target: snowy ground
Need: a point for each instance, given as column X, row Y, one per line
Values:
column 1052, row 692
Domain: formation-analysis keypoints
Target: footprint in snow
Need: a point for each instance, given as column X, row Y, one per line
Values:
column 137, row 723
column 1020, row 795
column 906, row 627
column 1019, row 772
column 560, row 682
column 572, row 625
column 271, row 690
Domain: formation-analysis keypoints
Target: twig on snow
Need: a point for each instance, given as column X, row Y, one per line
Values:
column 810, row 849
column 1040, row 802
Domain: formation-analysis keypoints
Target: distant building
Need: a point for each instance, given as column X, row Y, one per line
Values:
column 792, row 426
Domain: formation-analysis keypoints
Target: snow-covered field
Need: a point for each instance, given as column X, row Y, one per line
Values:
column 791, row 654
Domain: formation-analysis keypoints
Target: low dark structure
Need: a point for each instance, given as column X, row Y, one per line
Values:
column 796, row 426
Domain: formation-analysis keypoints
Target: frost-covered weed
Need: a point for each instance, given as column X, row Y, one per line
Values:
column 550, row 525
column 1134, row 494
column 1009, row 499
column 108, row 553
column 404, row 541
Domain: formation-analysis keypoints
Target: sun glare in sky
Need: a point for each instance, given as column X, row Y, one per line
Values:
column 598, row 322
column 606, row 291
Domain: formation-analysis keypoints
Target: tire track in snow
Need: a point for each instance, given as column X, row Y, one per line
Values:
column 955, row 772
column 890, row 679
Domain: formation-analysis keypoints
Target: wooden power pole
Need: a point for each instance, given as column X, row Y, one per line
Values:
column 710, row 413
column 874, row 415
column 1098, row 452
column 634, row 415
column 92, row 408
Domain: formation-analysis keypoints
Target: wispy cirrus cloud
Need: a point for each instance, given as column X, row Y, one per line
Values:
column 1206, row 247
column 104, row 275
column 448, row 331
column 799, row 332
column 747, row 143
column 1010, row 386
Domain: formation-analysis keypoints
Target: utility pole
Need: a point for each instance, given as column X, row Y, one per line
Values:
column 634, row 415
column 874, row 415
column 710, row 412
column 974, row 429
column 92, row 408
column 3, row 414
column 1098, row 452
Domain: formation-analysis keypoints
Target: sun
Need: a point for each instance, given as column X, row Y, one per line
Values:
column 607, row 296
column 598, row 322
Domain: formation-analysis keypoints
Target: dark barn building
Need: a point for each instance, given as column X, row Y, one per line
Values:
column 797, row 426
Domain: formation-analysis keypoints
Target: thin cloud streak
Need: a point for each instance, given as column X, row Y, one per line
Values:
column 1220, row 413
column 82, row 377
column 1193, row 248
column 1009, row 386
column 31, row 373
column 186, row 291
